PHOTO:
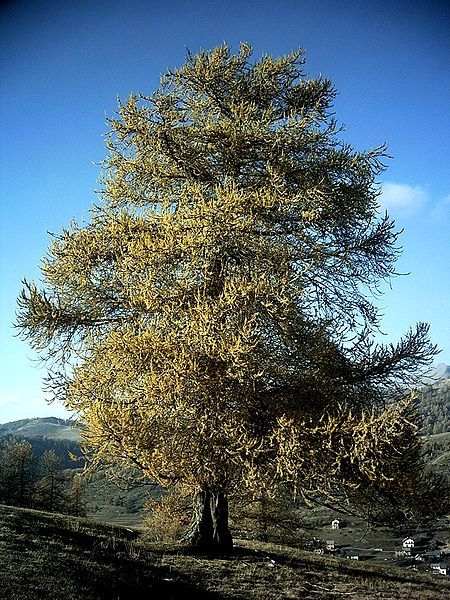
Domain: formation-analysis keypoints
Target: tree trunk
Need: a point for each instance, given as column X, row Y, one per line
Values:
column 209, row 527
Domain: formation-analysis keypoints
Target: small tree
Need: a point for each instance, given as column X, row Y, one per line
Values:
column 76, row 501
column 50, row 488
column 167, row 517
column 16, row 473
column 214, row 320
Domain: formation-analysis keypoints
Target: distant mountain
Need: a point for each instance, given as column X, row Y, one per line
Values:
column 50, row 428
column 441, row 371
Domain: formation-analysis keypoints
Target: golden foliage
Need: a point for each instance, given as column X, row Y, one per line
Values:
column 213, row 316
column 166, row 518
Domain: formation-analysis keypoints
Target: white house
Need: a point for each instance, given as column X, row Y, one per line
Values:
column 441, row 568
column 335, row 524
column 408, row 543
column 330, row 545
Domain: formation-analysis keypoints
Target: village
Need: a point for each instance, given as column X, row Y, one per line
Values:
column 415, row 552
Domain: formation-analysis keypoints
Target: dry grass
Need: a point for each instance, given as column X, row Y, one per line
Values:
column 46, row 556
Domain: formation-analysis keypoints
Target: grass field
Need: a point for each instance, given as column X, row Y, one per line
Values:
column 46, row 556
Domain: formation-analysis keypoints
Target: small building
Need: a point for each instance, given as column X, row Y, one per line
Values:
column 441, row 568
column 408, row 543
column 336, row 524
column 352, row 555
column 330, row 545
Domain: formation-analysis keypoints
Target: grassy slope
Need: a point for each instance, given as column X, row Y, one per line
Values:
column 50, row 428
column 46, row 556
column 106, row 502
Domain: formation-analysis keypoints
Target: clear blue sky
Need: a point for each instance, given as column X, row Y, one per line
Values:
column 64, row 63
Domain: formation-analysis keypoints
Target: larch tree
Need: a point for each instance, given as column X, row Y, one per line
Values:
column 50, row 492
column 213, row 322
column 76, row 497
column 16, row 472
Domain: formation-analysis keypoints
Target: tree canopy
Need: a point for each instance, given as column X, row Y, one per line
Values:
column 214, row 321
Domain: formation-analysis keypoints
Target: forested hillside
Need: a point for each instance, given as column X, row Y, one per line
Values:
column 434, row 410
column 49, row 433
column 434, row 407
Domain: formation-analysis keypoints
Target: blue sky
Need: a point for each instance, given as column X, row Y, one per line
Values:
column 63, row 64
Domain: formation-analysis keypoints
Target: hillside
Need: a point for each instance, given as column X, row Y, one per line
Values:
column 47, row 556
column 434, row 407
column 48, row 433
column 50, row 428
column 434, row 410
column 108, row 502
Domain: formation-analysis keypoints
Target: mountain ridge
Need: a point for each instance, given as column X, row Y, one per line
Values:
column 52, row 428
